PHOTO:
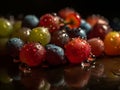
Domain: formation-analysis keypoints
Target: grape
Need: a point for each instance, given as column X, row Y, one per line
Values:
column 40, row 34
column 6, row 28
column 22, row 33
column 59, row 37
column 97, row 46
column 32, row 54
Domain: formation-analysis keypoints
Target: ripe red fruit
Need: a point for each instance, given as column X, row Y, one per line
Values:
column 99, row 30
column 77, row 50
column 49, row 21
column 32, row 54
column 73, row 20
column 97, row 46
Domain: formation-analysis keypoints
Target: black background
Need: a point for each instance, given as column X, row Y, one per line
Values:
column 107, row 8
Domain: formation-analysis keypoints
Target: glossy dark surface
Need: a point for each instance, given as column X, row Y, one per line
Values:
column 104, row 76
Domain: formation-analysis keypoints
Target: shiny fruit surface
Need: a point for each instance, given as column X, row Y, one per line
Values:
column 73, row 20
column 32, row 54
column 40, row 34
column 112, row 43
column 55, row 55
column 97, row 46
column 77, row 50
column 6, row 28
column 49, row 21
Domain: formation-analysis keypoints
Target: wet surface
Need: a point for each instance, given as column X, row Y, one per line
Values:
column 103, row 75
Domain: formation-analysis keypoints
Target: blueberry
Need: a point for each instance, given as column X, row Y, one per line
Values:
column 30, row 21
column 86, row 26
column 55, row 55
column 13, row 46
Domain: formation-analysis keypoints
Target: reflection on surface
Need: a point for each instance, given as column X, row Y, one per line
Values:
column 104, row 75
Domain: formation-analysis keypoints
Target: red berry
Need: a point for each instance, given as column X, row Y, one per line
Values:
column 50, row 21
column 99, row 30
column 32, row 54
column 77, row 50
column 97, row 46
column 73, row 20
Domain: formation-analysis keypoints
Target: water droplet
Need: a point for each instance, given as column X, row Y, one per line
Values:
column 25, row 69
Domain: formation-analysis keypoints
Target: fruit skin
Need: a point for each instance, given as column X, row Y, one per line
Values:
column 22, row 33
column 13, row 47
column 60, row 38
column 40, row 34
column 6, row 28
column 30, row 21
column 32, row 54
column 112, row 43
column 77, row 50
column 55, row 55
column 85, row 25
column 49, row 21
column 99, row 31
column 73, row 20
column 97, row 46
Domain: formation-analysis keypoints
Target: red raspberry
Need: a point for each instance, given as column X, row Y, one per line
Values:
column 77, row 50
column 49, row 21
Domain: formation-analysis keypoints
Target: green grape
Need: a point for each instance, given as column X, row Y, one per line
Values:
column 22, row 33
column 6, row 28
column 40, row 34
column 3, row 42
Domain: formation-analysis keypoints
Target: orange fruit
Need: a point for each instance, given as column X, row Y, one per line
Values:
column 112, row 43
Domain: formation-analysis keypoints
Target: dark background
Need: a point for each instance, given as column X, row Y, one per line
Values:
column 106, row 8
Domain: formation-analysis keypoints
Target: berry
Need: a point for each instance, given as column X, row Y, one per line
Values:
column 6, row 28
column 49, row 21
column 112, row 43
column 85, row 25
column 97, row 46
column 73, row 20
column 40, row 34
column 99, row 31
column 60, row 38
column 32, row 54
column 30, row 21
column 77, row 50
column 55, row 55
column 13, row 46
